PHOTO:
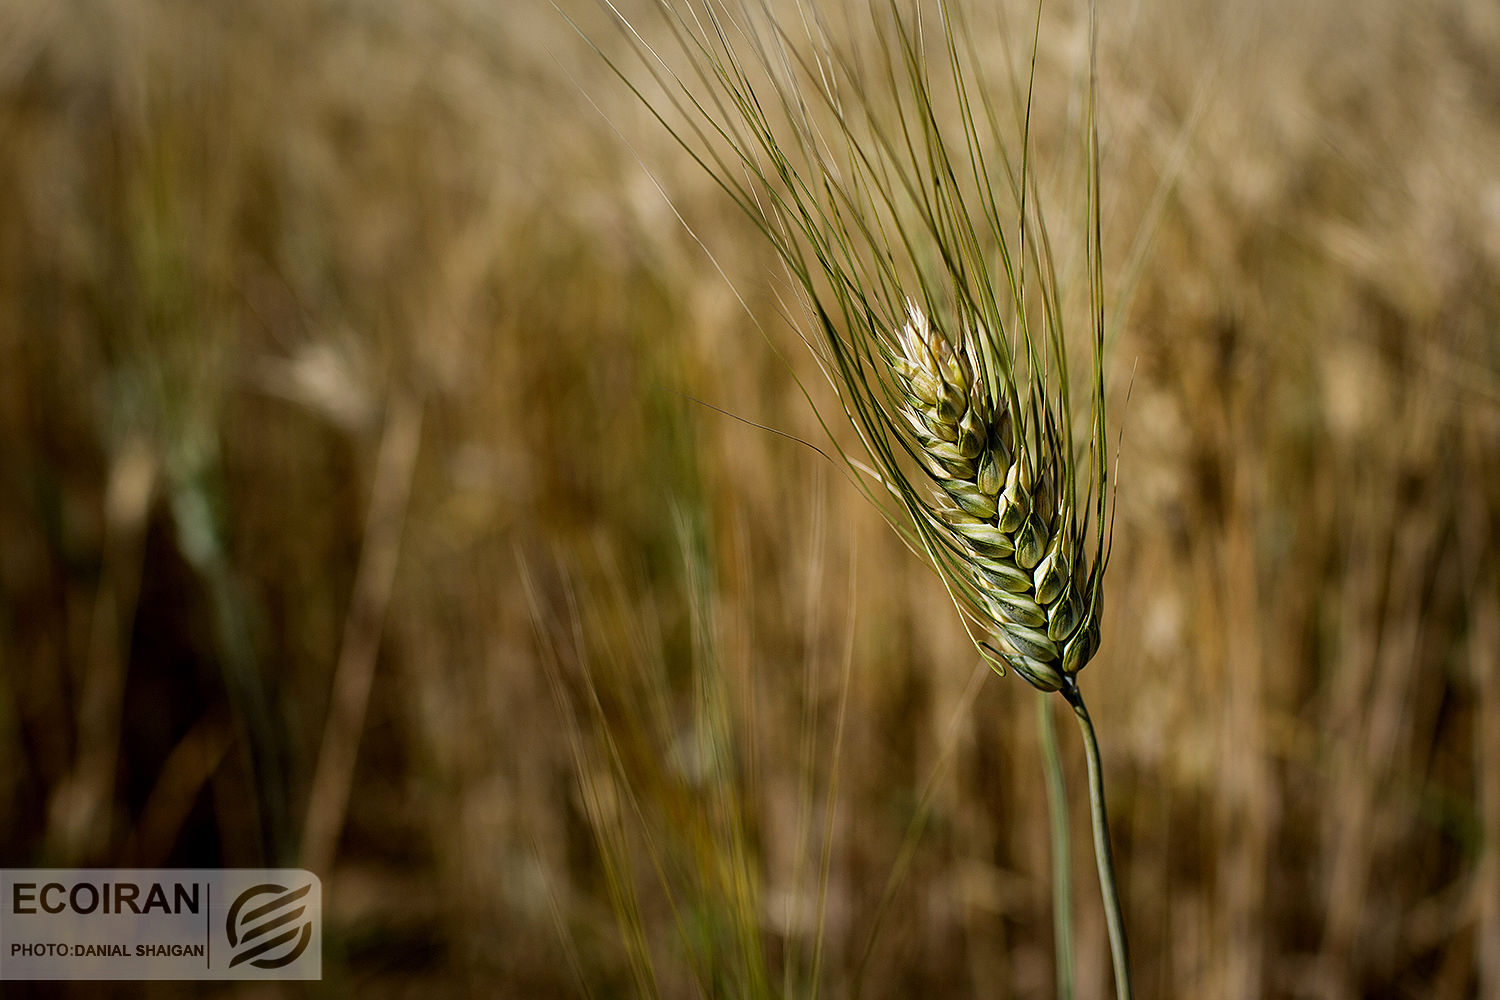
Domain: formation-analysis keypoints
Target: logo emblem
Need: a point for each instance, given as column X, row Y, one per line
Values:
column 268, row 926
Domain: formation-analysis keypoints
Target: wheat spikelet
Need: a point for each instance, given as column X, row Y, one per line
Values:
column 1002, row 505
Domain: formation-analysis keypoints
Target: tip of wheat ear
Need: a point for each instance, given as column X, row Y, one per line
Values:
column 1000, row 504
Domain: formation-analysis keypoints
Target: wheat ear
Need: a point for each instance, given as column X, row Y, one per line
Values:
column 884, row 183
column 1003, row 505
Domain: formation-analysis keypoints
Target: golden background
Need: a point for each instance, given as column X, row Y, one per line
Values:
column 353, row 514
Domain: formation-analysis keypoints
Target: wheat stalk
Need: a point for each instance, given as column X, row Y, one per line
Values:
column 885, row 184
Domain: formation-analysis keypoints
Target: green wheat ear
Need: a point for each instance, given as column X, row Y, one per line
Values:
column 1004, row 504
column 909, row 230
column 910, row 234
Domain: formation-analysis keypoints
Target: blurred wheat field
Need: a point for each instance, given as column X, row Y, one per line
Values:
column 354, row 513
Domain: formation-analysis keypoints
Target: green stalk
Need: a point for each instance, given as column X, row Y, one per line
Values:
column 1062, row 865
column 1102, row 852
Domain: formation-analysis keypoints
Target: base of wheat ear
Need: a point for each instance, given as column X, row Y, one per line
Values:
column 1003, row 503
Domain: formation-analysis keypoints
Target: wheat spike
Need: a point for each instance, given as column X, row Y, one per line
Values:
column 887, row 179
column 1000, row 504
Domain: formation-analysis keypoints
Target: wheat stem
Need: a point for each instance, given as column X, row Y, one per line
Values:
column 1102, row 852
column 1062, row 865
